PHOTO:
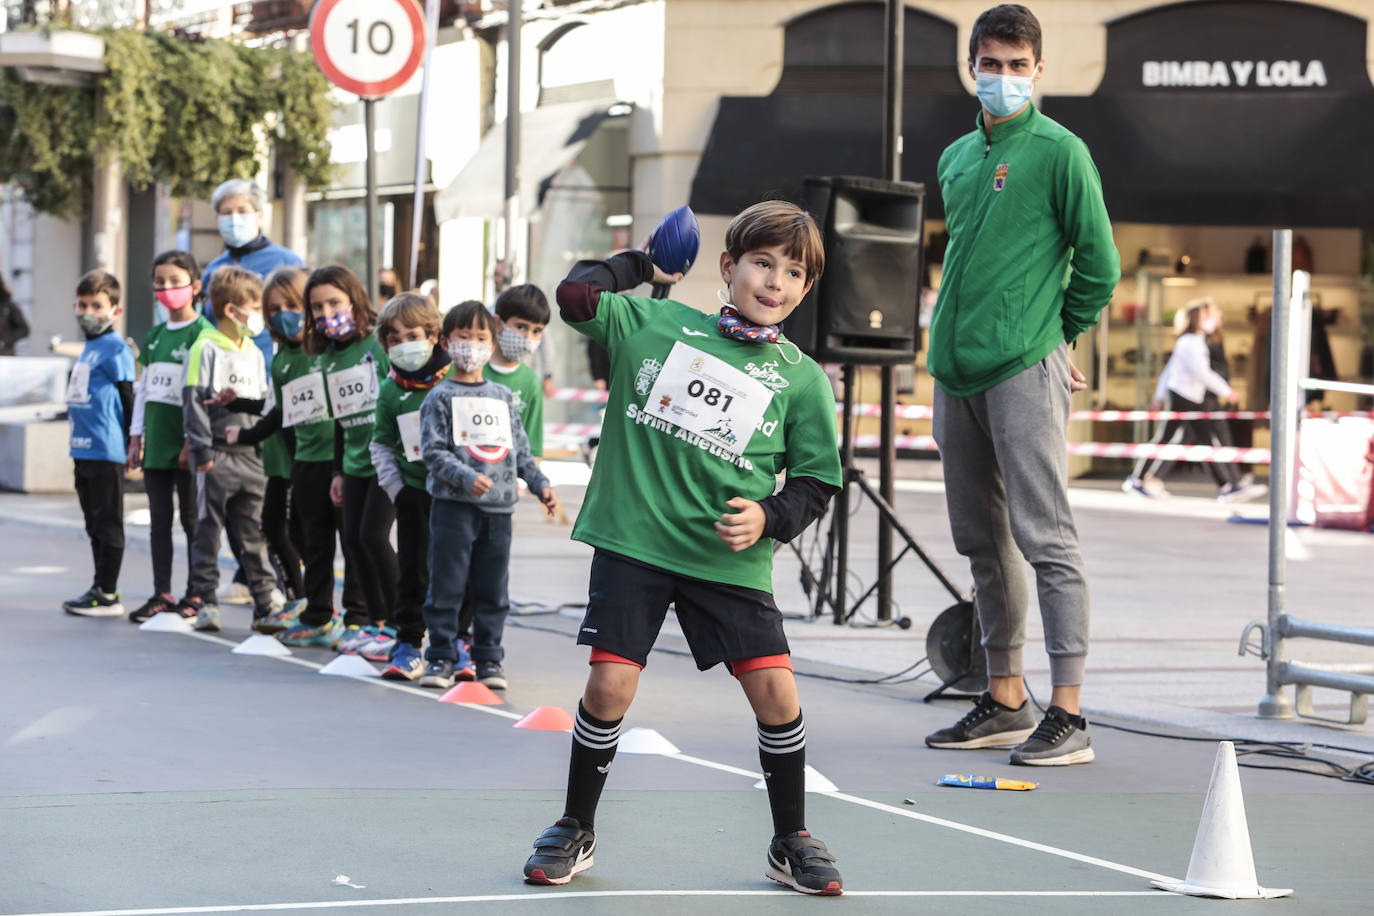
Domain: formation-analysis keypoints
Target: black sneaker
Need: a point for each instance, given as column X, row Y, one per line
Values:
column 95, row 603
column 988, row 724
column 560, row 852
column 439, row 673
column 1061, row 740
column 187, row 608
column 802, row 862
column 154, row 605
column 491, row 674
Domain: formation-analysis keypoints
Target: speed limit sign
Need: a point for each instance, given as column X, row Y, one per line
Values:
column 367, row 47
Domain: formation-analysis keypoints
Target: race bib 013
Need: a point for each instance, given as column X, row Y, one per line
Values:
column 702, row 394
column 303, row 400
column 163, row 383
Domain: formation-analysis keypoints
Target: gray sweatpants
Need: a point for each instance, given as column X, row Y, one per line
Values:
column 231, row 492
column 1006, row 487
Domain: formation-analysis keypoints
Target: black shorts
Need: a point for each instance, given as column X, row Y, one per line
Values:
column 627, row 602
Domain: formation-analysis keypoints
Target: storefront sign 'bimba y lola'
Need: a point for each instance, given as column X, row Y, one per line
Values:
column 1279, row 74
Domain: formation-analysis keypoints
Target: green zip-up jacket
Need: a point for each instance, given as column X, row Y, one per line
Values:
column 1030, row 262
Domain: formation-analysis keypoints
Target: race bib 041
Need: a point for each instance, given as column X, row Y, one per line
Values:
column 482, row 426
column 354, row 390
column 163, row 382
column 705, row 395
column 241, row 372
column 303, row 400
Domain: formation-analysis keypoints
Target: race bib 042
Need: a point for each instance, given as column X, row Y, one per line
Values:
column 705, row 395
column 303, row 400
column 163, row 382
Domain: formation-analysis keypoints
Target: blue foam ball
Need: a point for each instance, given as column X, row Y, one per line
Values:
column 674, row 243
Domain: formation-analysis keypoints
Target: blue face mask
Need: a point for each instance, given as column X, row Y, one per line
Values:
column 1004, row 95
column 288, row 324
column 238, row 229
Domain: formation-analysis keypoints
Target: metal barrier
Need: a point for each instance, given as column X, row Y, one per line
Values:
column 1289, row 334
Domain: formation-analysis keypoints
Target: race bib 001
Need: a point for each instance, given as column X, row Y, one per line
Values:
column 163, row 383
column 354, row 390
column 482, row 426
column 408, row 424
column 79, row 384
column 241, row 372
column 702, row 394
column 303, row 400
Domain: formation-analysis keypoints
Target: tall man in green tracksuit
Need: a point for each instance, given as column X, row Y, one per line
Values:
column 1029, row 266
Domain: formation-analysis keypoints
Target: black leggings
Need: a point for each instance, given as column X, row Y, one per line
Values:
column 100, row 488
column 319, row 521
column 1187, row 432
column 367, row 518
column 281, row 526
column 412, row 558
column 162, row 485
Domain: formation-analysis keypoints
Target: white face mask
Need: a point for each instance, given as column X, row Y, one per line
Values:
column 251, row 326
column 515, row 345
column 410, row 355
column 1207, row 325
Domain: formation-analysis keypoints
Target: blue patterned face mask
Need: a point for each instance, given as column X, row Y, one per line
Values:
column 337, row 325
column 1004, row 95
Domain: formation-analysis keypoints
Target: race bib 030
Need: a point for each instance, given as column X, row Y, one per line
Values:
column 354, row 390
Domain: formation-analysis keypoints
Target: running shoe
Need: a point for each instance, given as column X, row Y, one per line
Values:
column 490, row 674
column 187, row 608
column 987, row 724
column 301, row 636
column 462, row 668
column 284, row 618
column 439, row 673
column 353, row 638
column 153, row 606
column 406, row 663
column 378, row 648
column 1060, row 740
column 95, row 603
column 235, row 593
column 803, row 863
column 208, row 619
column 560, row 852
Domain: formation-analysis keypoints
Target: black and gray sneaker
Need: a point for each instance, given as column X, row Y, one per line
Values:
column 492, row 675
column 145, row 611
column 1061, row 739
column 803, row 863
column 987, row 724
column 560, row 852
column 95, row 603
column 438, row 673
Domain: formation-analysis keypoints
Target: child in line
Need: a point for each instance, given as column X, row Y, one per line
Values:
column 409, row 328
column 225, row 388
column 705, row 411
column 474, row 445
column 283, row 305
column 522, row 314
column 100, row 403
column 353, row 363
column 156, row 438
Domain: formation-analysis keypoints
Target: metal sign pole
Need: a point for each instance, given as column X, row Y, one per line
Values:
column 1283, row 421
column 418, row 208
column 512, row 178
column 370, row 127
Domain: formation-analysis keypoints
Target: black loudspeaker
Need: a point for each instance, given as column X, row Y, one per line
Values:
column 864, row 308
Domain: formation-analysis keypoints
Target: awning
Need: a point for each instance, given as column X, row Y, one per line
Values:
column 765, row 147
column 551, row 136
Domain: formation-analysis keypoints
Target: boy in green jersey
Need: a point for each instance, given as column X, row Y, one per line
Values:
column 409, row 329
column 704, row 411
column 522, row 313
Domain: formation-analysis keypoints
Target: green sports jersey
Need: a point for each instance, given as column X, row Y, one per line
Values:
column 353, row 378
column 398, row 428
column 694, row 419
column 528, row 392
column 163, row 359
column 298, row 385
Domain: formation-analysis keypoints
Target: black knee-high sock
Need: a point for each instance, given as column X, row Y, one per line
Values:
column 782, row 753
column 593, row 749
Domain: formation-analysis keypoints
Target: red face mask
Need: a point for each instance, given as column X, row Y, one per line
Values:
column 174, row 299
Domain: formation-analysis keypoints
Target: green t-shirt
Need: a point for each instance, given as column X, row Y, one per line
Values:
column 353, row 377
column 528, row 392
column 298, row 384
column 694, row 419
column 163, row 359
column 398, row 427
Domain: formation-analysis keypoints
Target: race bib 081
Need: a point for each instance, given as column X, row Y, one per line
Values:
column 705, row 395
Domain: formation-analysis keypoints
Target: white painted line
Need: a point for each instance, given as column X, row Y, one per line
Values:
column 1000, row 837
column 723, row 767
column 570, row 895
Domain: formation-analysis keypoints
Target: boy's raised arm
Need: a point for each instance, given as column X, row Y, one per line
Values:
column 579, row 293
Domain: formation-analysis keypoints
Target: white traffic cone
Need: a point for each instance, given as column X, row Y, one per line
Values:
column 259, row 644
column 1222, row 864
